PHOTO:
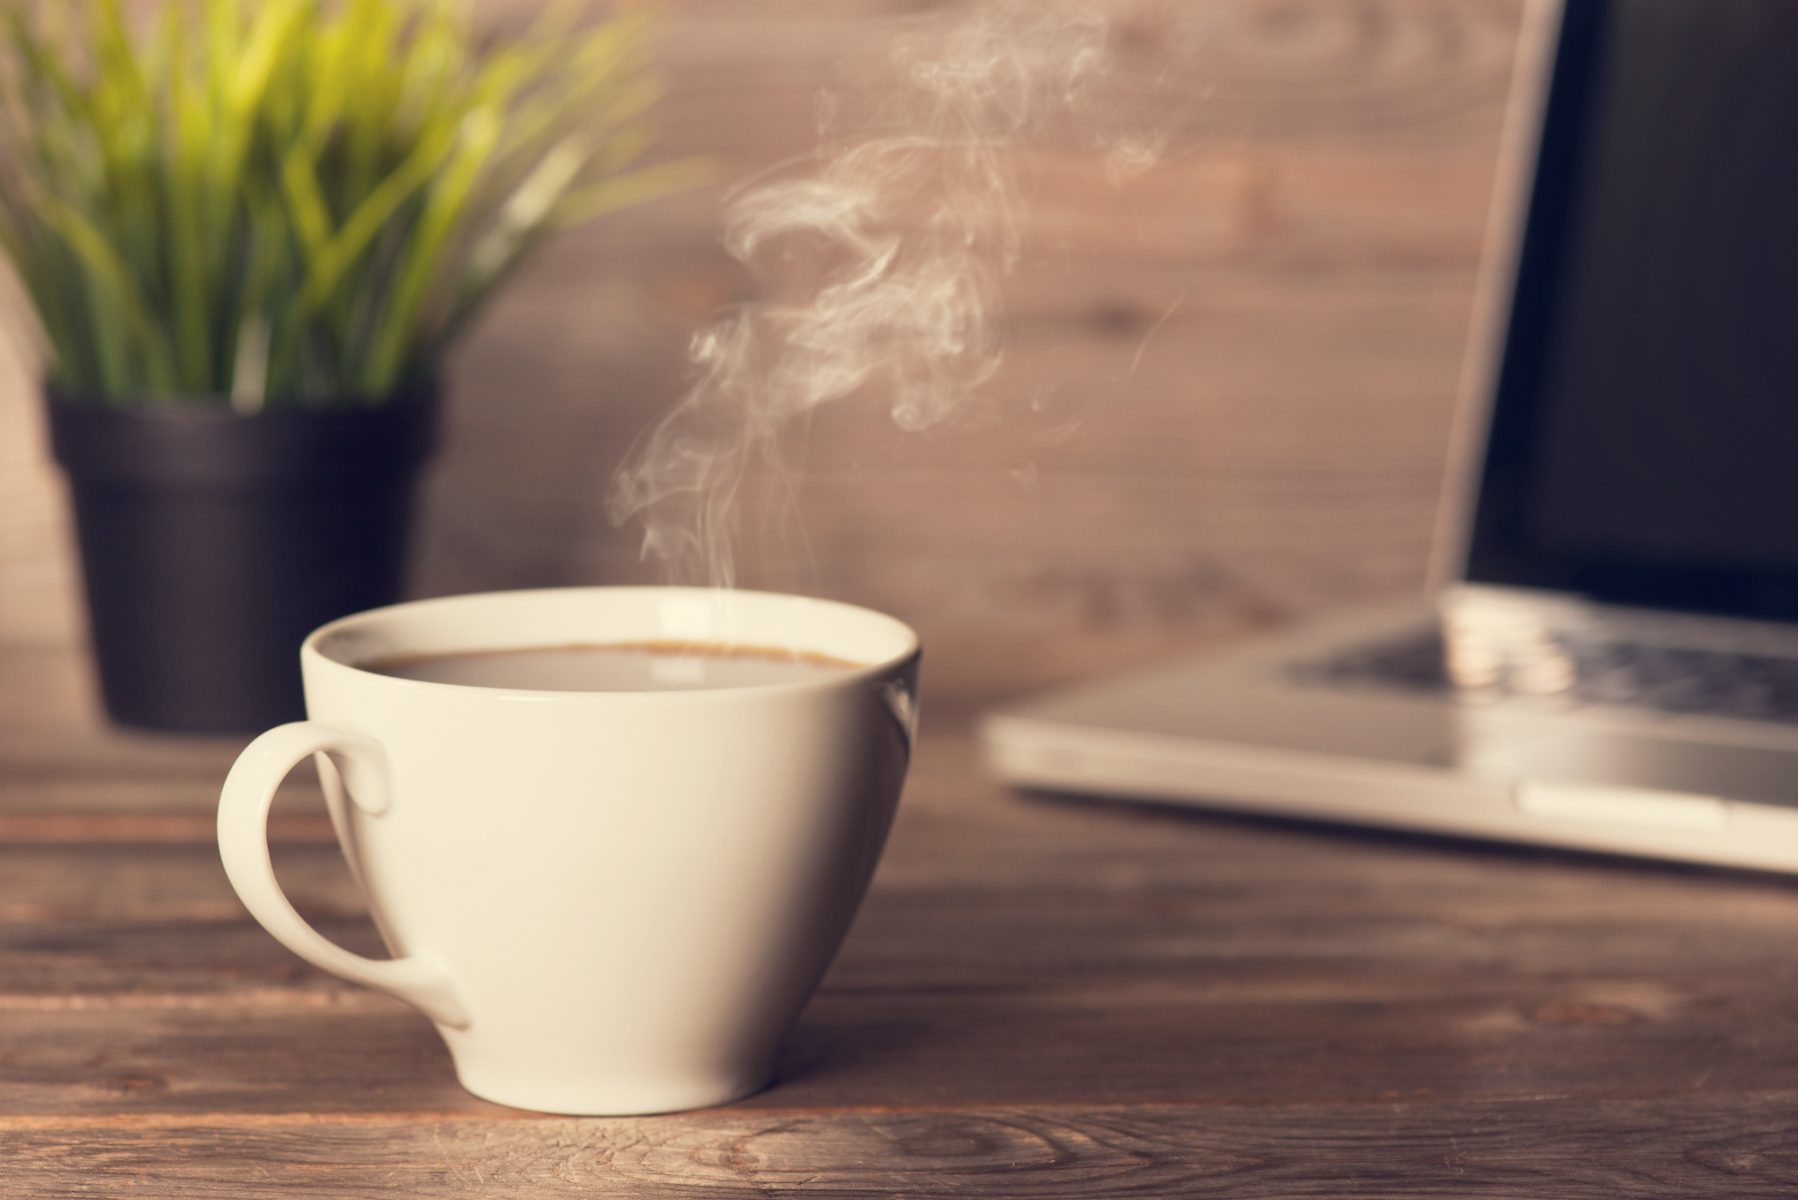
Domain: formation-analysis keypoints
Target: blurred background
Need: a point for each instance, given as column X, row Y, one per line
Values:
column 1237, row 369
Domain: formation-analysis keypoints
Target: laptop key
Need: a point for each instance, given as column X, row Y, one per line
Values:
column 1577, row 666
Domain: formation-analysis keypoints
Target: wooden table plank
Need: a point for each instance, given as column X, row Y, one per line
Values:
column 271, row 1050
column 1547, row 1148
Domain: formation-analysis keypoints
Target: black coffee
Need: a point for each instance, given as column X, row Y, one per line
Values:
column 626, row 667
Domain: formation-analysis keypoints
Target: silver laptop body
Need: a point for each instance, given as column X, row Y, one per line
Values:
column 1577, row 677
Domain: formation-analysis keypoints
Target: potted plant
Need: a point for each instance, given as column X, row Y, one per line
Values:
column 249, row 234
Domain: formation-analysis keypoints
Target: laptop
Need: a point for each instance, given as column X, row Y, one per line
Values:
column 1608, row 658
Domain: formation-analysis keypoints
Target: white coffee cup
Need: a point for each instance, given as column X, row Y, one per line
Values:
column 608, row 902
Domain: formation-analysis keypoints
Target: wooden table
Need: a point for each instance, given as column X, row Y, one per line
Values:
column 1040, row 998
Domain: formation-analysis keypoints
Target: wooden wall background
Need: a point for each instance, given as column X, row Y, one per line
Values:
column 1275, row 447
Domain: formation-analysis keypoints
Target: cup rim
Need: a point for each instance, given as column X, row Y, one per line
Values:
column 314, row 656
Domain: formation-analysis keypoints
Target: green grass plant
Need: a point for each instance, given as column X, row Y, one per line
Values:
column 291, row 202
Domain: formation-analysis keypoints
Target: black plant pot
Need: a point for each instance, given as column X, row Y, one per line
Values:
column 212, row 543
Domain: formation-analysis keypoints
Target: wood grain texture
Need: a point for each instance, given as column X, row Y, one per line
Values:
column 1539, row 1149
column 1259, row 341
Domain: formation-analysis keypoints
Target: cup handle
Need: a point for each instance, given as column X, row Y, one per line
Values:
column 249, row 791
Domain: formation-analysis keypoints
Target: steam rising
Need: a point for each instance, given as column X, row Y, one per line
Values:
column 882, row 259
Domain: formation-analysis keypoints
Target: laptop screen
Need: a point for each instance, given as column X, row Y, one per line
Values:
column 1644, row 444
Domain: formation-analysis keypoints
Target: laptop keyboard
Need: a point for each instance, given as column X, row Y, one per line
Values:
column 1576, row 667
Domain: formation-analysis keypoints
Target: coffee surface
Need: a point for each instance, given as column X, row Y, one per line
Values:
column 623, row 667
